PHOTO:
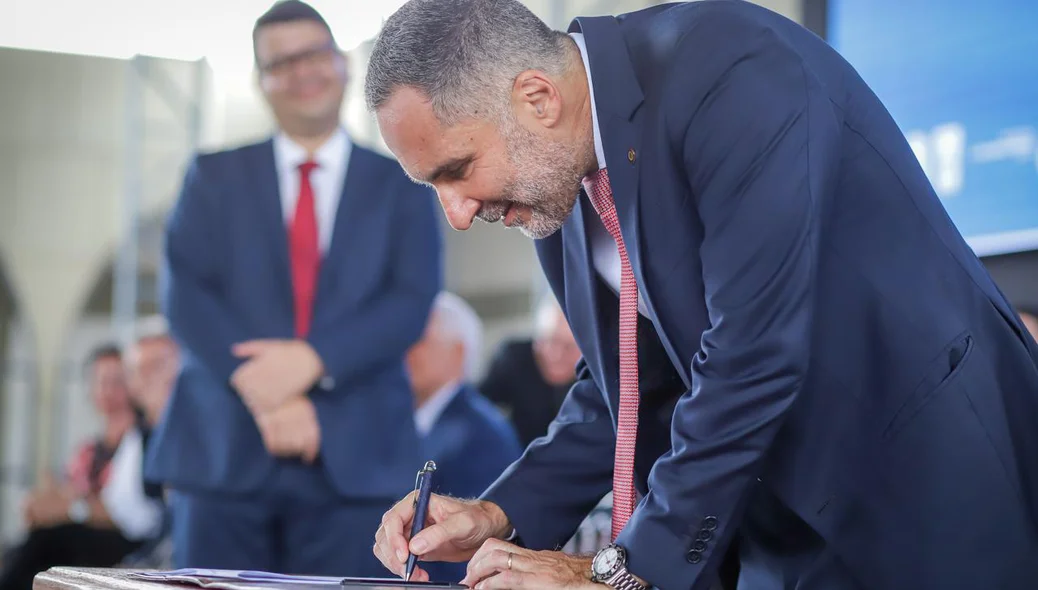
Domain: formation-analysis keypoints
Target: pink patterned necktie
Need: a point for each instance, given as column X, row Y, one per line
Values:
column 597, row 187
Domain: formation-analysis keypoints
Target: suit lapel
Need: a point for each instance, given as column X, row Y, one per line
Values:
column 581, row 291
column 618, row 96
column 263, row 171
column 360, row 181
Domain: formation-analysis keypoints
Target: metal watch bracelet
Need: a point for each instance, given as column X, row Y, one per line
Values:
column 624, row 580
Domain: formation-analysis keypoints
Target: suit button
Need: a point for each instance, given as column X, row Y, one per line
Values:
column 705, row 535
column 699, row 546
column 710, row 523
column 631, row 155
column 694, row 557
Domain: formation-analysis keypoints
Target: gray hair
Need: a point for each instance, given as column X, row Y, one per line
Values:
column 463, row 55
column 456, row 321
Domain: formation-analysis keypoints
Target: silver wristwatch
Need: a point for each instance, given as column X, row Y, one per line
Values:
column 610, row 568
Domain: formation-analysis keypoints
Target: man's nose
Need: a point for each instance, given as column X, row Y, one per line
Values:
column 459, row 210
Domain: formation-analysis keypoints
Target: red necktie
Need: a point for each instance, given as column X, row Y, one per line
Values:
column 597, row 187
column 304, row 251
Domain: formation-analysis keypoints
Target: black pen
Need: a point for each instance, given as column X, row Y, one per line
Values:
column 422, row 492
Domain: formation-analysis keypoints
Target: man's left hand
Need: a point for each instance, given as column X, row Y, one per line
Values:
column 499, row 564
column 292, row 430
column 275, row 372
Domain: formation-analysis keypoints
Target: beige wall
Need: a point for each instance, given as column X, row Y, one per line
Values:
column 62, row 158
column 62, row 162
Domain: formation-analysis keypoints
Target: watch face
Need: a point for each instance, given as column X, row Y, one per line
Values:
column 606, row 561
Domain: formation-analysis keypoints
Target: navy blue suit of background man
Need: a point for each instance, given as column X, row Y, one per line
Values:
column 286, row 486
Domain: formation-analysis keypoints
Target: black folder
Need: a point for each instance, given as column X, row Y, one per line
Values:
column 395, row 584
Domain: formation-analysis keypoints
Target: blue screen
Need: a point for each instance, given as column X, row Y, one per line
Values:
column 960, row 77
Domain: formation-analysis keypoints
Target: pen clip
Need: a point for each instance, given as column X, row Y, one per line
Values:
column 429, row 467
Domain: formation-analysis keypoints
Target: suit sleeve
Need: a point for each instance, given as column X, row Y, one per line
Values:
column 758, row 152
column 382, row 331
column 560, row 478
column 199, row 317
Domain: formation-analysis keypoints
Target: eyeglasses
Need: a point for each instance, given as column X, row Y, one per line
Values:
column 313, row 56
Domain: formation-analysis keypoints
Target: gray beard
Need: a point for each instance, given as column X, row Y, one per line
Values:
column 547, row 180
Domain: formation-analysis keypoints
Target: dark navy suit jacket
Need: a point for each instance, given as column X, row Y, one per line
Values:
column 229, row 281
column 838, row 344
column 472, row 444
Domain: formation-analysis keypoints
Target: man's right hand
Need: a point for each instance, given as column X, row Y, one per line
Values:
column 454, row 531
column 274, row 372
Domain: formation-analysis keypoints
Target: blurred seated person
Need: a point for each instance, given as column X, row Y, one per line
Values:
column 87, row 471
column 1029, row 316
column 138, row 507
column 467, row 437
column 529, row 378
column 67, row 521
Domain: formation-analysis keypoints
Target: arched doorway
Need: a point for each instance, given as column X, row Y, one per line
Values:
column 74, row 417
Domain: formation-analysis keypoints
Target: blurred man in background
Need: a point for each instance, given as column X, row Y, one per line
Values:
column 301, row 269
column 68, row 522
column 529, row 378
column 467, row 437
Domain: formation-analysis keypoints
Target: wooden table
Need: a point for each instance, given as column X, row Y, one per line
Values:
column 70, row 578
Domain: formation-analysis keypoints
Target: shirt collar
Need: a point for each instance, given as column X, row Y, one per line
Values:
column 426, row 416
column 578, row 38
column 334, row 152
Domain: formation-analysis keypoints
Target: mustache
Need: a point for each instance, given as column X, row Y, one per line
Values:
column 494, row 211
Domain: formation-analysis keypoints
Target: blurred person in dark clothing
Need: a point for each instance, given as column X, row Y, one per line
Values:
column 67, row 521
column 529, row 378
column 301, row 269
column 467, row 437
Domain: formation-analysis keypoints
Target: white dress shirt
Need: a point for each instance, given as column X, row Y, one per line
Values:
column 327, row 180
column 427, row 414
column 604, row 255
column 137, row 516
